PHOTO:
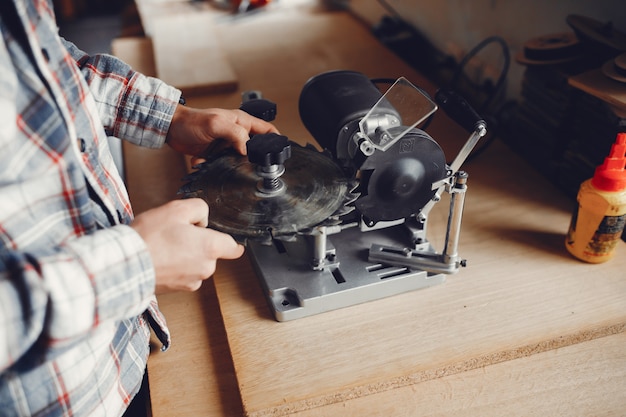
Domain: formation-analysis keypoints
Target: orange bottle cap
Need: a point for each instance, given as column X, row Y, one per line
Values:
column 611, row 175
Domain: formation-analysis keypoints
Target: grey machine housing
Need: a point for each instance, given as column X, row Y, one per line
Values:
column 378, row 248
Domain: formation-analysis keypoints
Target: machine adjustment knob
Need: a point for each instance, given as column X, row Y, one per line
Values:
column 269, row 152
column 253, row 103
column 260, row 108
column 268, row 149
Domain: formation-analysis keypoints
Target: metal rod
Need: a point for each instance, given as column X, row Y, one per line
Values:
column 319, row 248
column 481, row 130
column 457, row 200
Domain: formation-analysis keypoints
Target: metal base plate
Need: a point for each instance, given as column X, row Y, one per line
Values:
column 294, row 290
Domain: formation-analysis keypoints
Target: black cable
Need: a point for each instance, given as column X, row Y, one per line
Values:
column 503, row 73
column 390, row 9
column 470, row 55
column 492, row 120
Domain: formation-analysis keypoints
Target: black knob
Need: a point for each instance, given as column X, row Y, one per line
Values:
column 268, row 149
column 261, row 108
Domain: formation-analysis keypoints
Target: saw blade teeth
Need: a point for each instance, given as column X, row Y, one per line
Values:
column 198, row 165
column 351, row 198
column 191, row 194
column 191, row 176
column 345, row 208
column 190, row 187
column 185, row 189
column 342, row 211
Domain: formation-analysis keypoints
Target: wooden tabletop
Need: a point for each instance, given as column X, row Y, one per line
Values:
column 524, row 329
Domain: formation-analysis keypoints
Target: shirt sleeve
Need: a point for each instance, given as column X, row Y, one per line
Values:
column 50, row 302
column 58, row 286
column 132, row 106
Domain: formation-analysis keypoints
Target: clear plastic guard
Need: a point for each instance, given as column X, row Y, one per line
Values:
column 403, row 105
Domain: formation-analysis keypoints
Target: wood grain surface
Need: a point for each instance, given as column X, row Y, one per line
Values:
column 187, row 53
column 521, row 294
column 195, row 376
column 575, row 381
column 523, row 329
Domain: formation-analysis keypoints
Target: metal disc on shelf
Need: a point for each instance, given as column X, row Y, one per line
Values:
column 616, row 68
column 601, row 34
column 550, row 49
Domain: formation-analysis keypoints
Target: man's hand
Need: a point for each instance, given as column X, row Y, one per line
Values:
column 192, row 131
column 184, row 252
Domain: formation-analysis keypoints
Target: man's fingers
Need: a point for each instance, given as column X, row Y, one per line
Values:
column 218, row 245
column 261, row 126
column 248, row 125
column 193, row 211
column 223, row 246
column 196, row 160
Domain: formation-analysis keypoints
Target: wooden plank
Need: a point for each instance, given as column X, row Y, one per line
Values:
column 195, row 377
column 576, row 381
column 189, row 56
column 136, row 52
column 521, row 291
column 153, row 177
column 520, row 295
column 149, row 10
column 597, row 84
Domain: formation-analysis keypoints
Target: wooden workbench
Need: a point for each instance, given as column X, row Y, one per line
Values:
column 524, row 330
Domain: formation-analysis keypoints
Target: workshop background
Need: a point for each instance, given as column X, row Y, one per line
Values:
column 477, row 47
column 562, row 131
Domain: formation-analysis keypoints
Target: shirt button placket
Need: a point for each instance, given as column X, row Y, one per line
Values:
column 81, row 144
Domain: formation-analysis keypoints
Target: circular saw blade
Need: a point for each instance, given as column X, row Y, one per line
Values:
column 315, row 189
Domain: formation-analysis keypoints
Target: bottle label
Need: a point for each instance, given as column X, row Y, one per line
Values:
column 607, row 236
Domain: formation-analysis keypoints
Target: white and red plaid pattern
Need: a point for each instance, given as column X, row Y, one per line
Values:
column 76, row 282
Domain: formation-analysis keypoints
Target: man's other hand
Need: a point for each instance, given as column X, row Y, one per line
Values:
column 184, row 252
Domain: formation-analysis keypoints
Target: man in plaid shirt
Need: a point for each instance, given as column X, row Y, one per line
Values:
column 78, row 274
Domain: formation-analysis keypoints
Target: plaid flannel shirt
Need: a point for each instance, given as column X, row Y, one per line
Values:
column 76, row 282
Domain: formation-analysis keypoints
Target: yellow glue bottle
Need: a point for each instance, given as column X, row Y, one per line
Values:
column 598, row 221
